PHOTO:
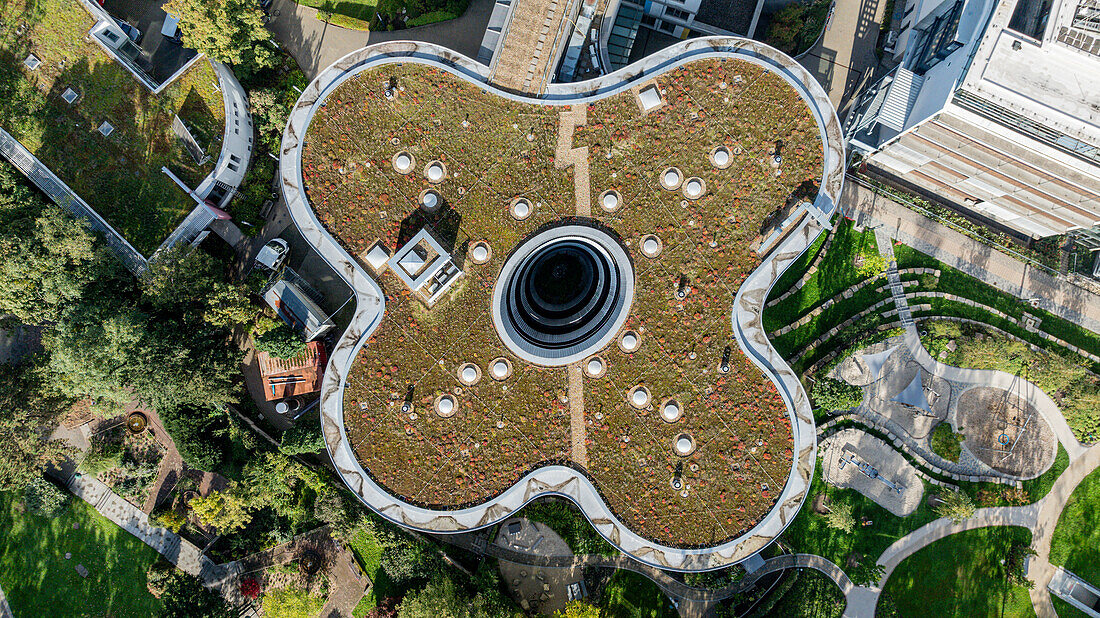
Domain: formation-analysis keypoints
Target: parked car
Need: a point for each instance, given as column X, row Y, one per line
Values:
column 133, row 33
column 171, row 29
column 265, row 4
column 273, row 254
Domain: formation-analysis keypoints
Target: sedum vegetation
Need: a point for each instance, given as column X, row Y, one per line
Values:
column 496, row 150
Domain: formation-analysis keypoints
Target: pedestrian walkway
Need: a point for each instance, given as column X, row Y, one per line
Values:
column 1058, row 295
column 897, row 290
column 5, row 609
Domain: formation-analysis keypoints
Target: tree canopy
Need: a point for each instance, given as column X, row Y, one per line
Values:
column 29, row 404
column 230, row 31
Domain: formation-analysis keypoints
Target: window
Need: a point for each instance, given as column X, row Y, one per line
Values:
column 232, row 167
column 649, row 20
column 667, row 27
column 937, row 41
column 677, row 14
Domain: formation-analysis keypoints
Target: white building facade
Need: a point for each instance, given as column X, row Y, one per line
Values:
column 994, row 110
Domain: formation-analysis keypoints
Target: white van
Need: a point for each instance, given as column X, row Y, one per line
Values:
column 171, row 28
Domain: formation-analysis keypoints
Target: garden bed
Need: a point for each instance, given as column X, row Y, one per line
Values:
column 496, row 150
column 120, row 175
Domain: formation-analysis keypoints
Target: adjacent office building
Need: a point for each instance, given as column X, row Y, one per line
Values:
column 995, row 111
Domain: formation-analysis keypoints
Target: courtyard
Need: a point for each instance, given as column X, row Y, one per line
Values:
column 390, row 135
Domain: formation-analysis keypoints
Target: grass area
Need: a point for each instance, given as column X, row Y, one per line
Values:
column 1076, row 541
column 630, row 595
column 368, row 551
column 568, row 522
column 495, row 150
column 795, row 271
column 961, row 575
column 1038, row 488
column 119, row 175
column 1065, row 379
column 291, row 603
column 39, row 581
column 808, row 533
column 946, row 443
column 1065, row 610
column 386, row 14
column 835, row 273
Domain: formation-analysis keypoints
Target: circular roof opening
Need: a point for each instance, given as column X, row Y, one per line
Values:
column 436, row 171
column 480, row 253
column 445, row 405
column 720, row 157
column 430, row 201
column 640, row 397
column 403, row 162
column 671, row 179
column 684, row 445
column 521, row 208
column 694, row 188
column 563, row 294
column 500, row 368
column 671, row 411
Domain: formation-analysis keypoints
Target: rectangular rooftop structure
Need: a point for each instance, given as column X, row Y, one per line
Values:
column 288, row 377
column 296, row 308
column 993, row 112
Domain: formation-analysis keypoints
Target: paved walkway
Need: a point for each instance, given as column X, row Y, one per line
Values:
column 844, row 58
column 1055, row 294
column 5, row 609
column 1041, row 571
column 316, row 44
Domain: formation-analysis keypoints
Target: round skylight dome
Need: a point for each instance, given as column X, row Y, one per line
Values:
column 403, row 162
column 721, row 157
column 445, row 405
column 650, row 246
column 469, row 374
column 684, row 445
column 435, row 172
column 500, row 369
column 671, row 411
column 521, row 208
column 640, row 397
column 610, row 201
column 630, row 341
column 694, row 188
column 672, row 178
column 480, row 253
column 595, row 367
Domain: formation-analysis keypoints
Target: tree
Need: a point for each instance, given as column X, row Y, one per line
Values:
column 443, row 598
column 579, row 609
column 185, row 597
column 343, row 519
column 198, row 434
column 227, row 510
column 866, row 573
column 280, row 342
column 47, row 258
column 954, row 505
column 1014, row 565
column 831, row 394
column 840, row 517
column 229, row 31
column 228, row 305
column 44, row 498
column 270, row 109
column 304, row 437
column 30, row 407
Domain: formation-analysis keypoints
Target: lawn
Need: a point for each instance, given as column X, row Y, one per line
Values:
column 1076, row 541
column 835, row 273
column 368, row 552
column 568, row 522
column 39, row 581
column 961, row 575
column 630, row 595
column 495, row 150
column 120, row 175
column 805, row 593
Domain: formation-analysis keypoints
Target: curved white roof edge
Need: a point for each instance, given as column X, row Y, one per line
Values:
column 561, row 480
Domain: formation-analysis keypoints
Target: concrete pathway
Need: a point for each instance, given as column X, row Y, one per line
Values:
column 5, row 609
column 316, row 44
column 1058, row 295
column 844, row 58
column 1041, row 571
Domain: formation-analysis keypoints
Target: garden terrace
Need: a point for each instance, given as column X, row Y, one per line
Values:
column 497, row 149
column 119, row 175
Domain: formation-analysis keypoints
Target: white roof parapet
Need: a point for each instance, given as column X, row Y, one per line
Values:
column 746, row 316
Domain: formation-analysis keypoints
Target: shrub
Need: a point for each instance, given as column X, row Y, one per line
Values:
column 44, row 498
column 305, row 437
column 198, row 434
column 250, row 588
column 832, row 394
column 281, row 342
column 171, row 519
column 955, row 505
column 291, row 603
column 840, row 517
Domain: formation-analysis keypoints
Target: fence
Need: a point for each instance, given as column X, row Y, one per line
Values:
column 64, row 197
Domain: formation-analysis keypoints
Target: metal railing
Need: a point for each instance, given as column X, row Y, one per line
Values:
column 66, row 198
column 195, row 222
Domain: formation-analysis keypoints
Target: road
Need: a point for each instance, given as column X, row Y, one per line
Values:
column 844, row 59
column 316, row 44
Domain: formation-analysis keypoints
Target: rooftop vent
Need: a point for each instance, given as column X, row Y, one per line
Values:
column 32, row 62
column 70, row 96
column 106, row 129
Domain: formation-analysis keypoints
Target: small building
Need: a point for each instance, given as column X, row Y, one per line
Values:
column 296, row 308
column 425, row 267
column 290, row 377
